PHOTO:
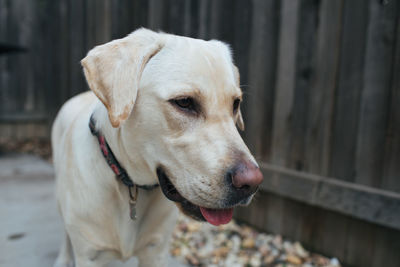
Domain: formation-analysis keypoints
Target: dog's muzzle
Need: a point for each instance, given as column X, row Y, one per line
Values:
column 242, row 182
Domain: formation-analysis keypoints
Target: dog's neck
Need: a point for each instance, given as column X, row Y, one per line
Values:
column 112, row 161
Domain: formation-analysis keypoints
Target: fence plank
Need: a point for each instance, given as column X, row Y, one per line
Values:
column 4, row 73
column 125, row 17
column 240, row 43
column 390, row 179
column 321, row 91
column 204, row 19
column 370, row 204
column 375, row 95
column 285, row 83
column 355, row 252
column 156, row 15
column 305, row 71
column 59, row 91
column 349, row 87
column 383, row 241
column 262, row 61
column 77, row 46
column 329, row 232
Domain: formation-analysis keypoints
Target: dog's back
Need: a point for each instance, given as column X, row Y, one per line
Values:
column 68, row 114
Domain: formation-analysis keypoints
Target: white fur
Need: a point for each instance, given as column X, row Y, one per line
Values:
column 144, row 130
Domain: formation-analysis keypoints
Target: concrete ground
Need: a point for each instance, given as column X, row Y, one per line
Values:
column 30, row 226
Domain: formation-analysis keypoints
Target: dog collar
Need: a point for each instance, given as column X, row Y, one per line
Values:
column 119, row 171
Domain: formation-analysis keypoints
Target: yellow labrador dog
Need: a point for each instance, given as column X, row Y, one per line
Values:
column 157, row 129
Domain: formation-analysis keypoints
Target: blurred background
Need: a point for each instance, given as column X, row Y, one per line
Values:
column 321, row 82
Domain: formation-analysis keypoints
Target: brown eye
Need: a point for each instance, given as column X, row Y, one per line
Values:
column 236, row 104
column 185, row 103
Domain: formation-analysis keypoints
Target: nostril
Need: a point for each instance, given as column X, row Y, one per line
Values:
column 244, row 187
column 246, row 176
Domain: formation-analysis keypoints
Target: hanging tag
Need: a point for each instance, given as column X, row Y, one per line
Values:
column 132, row 209
column 132, row 201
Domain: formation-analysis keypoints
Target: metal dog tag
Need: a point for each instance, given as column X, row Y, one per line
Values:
column 132, row 207
column 132, row 201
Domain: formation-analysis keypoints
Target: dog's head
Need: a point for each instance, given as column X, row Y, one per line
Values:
column 176, row 102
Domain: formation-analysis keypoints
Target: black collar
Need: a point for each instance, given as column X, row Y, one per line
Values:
column 112, row 161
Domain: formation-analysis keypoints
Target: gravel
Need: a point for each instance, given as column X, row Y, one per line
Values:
column 201, row 244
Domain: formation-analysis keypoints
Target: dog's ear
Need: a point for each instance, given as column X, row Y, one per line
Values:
column 239, row 120
column 113, row 71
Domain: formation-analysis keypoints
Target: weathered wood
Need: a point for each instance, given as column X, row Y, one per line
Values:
column 355, row 252
column 322, row 88
column 77, row 46
column 241, row 48
column 305, row 71
column 23, row 117
column 140, row 14
column 385, row 239
column 24, row 130
column 285, row 83
column 192, row 18
column 204, row 19
column 391, row 163
column 4, row 72
column 329, row 232
column 155, row 14
column 348, row 91
column 125, row 17
column 370, row 204
column 175, row 16
column 375, row 95
column 59, row 91
column 262, row 61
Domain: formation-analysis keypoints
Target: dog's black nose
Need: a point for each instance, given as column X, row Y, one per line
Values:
column 244, row 178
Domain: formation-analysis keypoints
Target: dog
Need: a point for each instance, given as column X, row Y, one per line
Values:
column 157, row 131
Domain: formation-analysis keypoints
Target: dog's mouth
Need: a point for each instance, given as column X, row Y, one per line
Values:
column 214, row 216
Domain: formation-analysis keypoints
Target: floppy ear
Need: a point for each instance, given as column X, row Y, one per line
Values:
column 113, row 71
column 239, row 120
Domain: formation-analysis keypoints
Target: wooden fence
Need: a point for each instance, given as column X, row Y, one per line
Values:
column 322, row 101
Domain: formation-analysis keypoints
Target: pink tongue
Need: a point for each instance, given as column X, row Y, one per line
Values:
column 217, row 216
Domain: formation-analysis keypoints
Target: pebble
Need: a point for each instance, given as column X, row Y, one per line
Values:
column 293, row 259
column 248, row 243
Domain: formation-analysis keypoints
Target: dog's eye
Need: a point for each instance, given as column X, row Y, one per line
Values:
column 185, row 103
column 236, row 104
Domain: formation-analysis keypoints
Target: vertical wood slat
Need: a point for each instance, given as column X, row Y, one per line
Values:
column 60, row 53
column 375, row 95
column 318, row 124
column 77, row 47
column 348, row 90
column 4, row 72
column 240, row 42
column 175, row 16
column 204, row 14
column 22, row 24
column 18, row 32
column 155, row 14
column 305, row 71
column 192, row 18
column 285, row 82
column 262, row 61
column 391, row 166
column 40, row 64
column 122, row 17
